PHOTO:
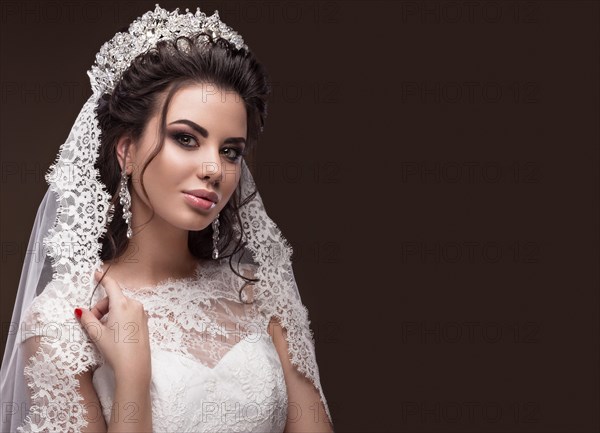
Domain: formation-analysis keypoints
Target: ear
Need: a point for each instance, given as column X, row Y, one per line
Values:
column 126, row 153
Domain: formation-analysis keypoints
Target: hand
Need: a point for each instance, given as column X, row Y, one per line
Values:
column 124, row 339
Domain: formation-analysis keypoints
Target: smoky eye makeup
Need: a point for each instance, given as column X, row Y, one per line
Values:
column 183, row 138
column 187, row 140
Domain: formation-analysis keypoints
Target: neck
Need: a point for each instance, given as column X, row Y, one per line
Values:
column 156, row 251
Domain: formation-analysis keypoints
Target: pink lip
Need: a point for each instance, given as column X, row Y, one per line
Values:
column 198, row 202
column 205, row 194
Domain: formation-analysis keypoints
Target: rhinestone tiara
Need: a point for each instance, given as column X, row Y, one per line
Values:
column 116, row 55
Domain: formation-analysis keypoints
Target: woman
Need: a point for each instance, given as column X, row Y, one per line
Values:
column 166, row 300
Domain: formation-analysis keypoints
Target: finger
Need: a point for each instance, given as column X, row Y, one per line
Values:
column 112, row 289
column 101, row 308
column 90, row 323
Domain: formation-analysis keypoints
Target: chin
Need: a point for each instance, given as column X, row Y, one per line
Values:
column 197, row 224
column 190, row 220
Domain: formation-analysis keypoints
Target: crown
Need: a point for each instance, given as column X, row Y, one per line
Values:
column 116, row 55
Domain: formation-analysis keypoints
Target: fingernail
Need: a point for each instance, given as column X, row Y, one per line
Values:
column 78, row 312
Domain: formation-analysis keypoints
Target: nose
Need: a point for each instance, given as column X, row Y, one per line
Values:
column 209, row 164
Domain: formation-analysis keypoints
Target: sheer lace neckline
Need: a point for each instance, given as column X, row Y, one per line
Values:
column 171, row 281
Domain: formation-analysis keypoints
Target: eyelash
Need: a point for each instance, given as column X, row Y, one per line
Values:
column 240, row 152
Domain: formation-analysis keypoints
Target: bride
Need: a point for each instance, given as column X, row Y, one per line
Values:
column 165, row 299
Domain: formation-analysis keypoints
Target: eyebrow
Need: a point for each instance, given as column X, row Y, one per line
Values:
column 203, row 132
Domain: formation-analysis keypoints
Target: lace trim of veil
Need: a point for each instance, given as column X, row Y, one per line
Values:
column 82, row 217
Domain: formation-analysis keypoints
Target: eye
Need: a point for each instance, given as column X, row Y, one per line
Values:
column 235, row 155
column 184, row 139
column 187, row 141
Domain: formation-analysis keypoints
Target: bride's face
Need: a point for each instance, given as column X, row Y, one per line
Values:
column 205, row 138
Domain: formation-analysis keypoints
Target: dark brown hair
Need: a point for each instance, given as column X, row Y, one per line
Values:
column 152, row 80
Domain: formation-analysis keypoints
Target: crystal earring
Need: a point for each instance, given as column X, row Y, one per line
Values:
column 125, row 200
column 215, row 227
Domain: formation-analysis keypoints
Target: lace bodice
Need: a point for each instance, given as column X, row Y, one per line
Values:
column 214, row 365
column 244, row 392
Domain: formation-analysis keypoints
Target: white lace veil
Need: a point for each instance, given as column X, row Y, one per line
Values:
column 57, row 276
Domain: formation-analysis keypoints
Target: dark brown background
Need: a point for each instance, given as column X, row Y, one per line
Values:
column 435, row 166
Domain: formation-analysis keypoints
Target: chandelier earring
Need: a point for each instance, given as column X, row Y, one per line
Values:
column 215, row 227
column 125, row 200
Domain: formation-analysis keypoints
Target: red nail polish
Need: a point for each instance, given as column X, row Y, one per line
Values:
column 78, row 312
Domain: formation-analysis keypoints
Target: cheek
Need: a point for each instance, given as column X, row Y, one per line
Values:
column 169, row 165
column 163, row 176
column 231, row 179
column 234, row 179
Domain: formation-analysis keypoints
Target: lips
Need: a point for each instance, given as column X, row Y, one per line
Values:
column 205, row 194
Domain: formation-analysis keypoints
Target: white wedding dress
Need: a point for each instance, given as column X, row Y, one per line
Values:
column 214, row 365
